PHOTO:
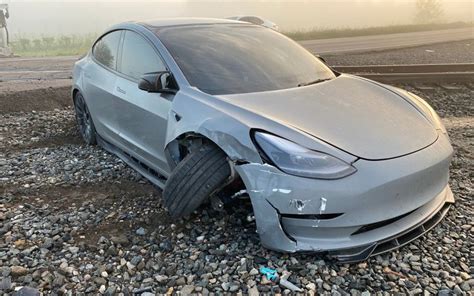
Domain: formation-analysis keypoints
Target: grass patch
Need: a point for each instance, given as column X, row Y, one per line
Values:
column 53, row 46
column 346, row 32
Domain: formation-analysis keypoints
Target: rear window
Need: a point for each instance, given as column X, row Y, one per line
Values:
column 231, row 59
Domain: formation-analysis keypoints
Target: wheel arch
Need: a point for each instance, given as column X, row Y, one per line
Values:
column 235, row 151
column 177, row 149
column 192, row 117
column 74, row 92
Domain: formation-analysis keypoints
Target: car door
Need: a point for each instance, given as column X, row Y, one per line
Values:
column 142, row 116
column 99, row 85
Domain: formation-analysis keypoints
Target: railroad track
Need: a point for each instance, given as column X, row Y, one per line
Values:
column 427, row 73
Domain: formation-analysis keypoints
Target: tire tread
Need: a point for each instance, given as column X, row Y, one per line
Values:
column 194, row 179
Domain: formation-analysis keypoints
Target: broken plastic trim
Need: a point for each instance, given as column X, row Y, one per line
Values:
column 281, row 222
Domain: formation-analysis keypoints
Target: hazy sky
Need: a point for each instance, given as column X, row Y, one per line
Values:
column 36, row 17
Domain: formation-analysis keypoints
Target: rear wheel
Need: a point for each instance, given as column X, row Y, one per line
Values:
column 200, row 174
column 84, row 120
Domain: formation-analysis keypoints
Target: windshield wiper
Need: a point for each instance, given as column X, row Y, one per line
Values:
column 313, row 82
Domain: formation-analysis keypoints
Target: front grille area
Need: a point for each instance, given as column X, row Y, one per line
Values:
column 312, row 216
column 372, row 226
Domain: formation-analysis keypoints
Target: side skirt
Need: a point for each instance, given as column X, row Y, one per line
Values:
column 144, row 170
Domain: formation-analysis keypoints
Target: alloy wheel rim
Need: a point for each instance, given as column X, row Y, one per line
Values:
column 83, row 118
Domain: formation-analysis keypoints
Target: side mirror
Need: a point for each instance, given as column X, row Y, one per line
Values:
column 157, row 82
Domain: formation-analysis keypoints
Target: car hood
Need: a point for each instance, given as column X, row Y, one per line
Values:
column 356, row 115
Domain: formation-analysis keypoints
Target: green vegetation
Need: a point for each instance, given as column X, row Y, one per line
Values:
column 337, row 33
column 52, row 46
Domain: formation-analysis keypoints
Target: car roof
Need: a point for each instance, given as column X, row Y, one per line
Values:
column 168, row 22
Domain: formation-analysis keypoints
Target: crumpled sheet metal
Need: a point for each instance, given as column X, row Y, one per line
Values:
column 230, row 134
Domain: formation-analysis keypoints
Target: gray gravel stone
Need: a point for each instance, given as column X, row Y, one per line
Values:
column 5, row 283
column 141, row 231
column 27, row 291
column 187, row 290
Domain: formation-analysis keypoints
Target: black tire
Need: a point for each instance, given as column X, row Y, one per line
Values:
column 195, row 178
column 84, row 120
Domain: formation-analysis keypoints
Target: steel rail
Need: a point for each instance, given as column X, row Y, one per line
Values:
column 422, row 73
column 409, row 68
column 449, row 77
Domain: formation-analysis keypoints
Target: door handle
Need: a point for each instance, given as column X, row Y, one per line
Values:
column 121, row 90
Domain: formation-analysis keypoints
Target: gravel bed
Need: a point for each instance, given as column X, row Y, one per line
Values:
column 453, row 52
column 75, row 219
column 70, row 164
column 450, row 100
column 38, row 129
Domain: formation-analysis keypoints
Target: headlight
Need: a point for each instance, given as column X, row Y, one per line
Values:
column 299, row 161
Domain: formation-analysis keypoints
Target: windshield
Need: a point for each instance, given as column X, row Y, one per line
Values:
column 231, row 59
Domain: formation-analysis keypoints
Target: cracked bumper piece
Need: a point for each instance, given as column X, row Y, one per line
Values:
column 383, row 206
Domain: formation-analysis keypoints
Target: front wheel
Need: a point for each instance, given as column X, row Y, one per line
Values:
column 201, row 173
column 84, row 120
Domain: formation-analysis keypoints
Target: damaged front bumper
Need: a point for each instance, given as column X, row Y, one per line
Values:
column 383, row 206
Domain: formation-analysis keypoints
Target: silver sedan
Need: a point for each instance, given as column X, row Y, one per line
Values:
column 332, row 163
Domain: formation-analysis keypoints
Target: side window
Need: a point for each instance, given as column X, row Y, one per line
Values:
column 106, row 49
column 139, row 57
